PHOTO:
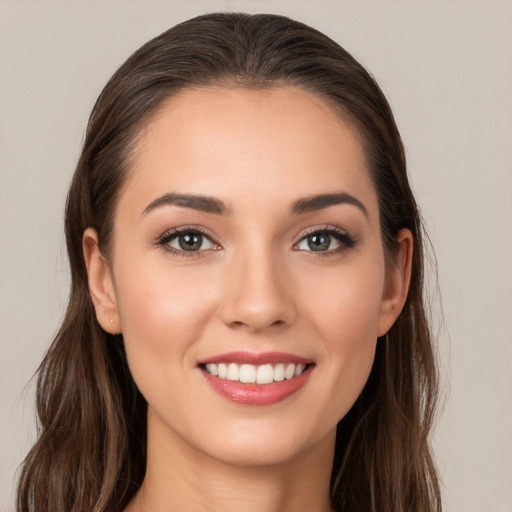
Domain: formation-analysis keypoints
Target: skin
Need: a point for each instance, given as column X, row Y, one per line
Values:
column 256, row 287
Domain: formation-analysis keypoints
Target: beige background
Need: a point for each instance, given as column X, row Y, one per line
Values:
column 446, row 67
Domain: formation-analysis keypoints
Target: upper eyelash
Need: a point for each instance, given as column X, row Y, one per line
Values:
column 347, row 240
column 164, row 240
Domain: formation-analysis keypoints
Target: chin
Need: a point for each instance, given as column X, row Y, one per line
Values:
column 267, row 444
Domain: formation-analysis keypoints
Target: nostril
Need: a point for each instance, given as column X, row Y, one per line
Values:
column 237, row 324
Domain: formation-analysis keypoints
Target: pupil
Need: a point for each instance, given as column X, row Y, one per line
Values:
column 318, row 242
column 190, row 242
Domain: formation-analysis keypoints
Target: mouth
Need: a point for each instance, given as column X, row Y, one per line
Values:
column 252, row 374
column 256, row 379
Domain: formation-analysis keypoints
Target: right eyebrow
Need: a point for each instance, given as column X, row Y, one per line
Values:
column 201, row 203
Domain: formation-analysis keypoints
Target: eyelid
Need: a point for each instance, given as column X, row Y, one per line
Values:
column 164, row 239
column 345, row 239
column 323, row 228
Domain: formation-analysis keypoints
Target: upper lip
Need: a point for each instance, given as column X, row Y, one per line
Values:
column 242, row 357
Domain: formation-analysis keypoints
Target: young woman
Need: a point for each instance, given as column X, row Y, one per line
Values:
column 246, row 327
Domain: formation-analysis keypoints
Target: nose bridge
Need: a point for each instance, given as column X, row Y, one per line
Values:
column 258, row 292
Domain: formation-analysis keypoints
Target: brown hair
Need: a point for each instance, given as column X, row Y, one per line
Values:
column 90, row 454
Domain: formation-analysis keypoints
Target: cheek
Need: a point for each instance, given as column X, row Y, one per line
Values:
column 346, row 304
column 345, row 316
column 162, row 314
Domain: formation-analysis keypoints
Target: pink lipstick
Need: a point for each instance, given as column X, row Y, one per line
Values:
column 256, row 379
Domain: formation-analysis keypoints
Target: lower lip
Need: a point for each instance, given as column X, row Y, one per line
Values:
column 257, row 394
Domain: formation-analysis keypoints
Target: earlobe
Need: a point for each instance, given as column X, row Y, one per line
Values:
column 396, row 286
column 101, row 284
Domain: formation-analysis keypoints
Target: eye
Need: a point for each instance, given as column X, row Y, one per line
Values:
column 318, row 242
column 187, row 240
column 191, row 241
column 326, row 240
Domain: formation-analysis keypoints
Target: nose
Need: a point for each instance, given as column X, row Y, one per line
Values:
column 259, row 293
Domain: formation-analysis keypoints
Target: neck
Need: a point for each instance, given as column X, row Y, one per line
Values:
column 180, row 478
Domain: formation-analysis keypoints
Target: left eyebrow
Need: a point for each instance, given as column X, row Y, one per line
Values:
column 321, row 201
column 201, row 203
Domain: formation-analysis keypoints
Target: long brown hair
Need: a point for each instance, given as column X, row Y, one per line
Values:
column 90, row 453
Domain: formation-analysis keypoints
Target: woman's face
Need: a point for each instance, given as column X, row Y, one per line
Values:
column 247, row 244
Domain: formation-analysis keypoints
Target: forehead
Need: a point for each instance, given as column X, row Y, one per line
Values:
column 234, row 143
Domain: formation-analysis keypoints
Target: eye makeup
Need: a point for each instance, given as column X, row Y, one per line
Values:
column 327, row 241
column 195, row 241
column 187, row 242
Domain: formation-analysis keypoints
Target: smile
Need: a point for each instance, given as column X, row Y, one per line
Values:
column 256, row 379
column 252, row 374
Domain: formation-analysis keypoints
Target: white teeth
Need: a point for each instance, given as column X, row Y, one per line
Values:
column 223, row 370
column 233, row 372
column 265, row 374
column 212, row 368
column 248, row 373
column 289, row 372
column 299, row 369
column 279, row 372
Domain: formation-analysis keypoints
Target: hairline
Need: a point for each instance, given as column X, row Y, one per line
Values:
column 143, row 127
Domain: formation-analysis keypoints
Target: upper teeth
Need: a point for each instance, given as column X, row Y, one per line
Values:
column 264, row 374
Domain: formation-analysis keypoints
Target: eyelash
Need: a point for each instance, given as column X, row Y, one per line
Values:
column 164, row 241
column 345, row 240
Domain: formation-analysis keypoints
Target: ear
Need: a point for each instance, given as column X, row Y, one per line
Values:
column 101, row 284
column 398, row 277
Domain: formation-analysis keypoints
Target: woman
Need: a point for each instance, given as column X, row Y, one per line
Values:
column 246, row 327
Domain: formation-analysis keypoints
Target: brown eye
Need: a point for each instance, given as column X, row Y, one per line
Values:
column 190, row 242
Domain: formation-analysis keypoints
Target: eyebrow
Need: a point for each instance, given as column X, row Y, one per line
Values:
column 320, row 201
column 213, row 205
column 205, row 204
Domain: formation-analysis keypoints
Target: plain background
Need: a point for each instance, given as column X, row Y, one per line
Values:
column 446, row 67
